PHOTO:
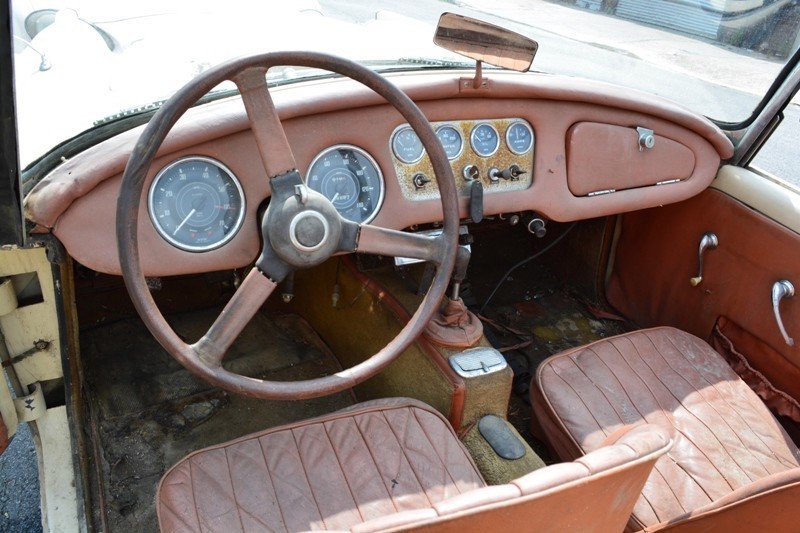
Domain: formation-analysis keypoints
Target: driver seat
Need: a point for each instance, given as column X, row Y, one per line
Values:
column 394, row 465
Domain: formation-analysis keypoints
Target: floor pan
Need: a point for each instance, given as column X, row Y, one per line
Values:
column 147, row 412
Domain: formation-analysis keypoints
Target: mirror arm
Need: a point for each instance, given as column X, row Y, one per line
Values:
column 478, row 80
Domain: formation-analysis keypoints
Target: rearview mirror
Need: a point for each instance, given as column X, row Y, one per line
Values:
column 485, row 42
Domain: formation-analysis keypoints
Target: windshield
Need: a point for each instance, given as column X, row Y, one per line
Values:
column 79, row 63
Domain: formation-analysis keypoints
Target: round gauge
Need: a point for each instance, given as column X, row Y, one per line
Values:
column 519, row 137
column 484, row 139
column 196, row 204
column 406, row 145
column 348, row 177
column 451, row 141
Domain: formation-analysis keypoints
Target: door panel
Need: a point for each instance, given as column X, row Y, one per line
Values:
column 657, row 254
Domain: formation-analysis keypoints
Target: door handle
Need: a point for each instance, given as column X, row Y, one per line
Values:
column 782, row 289
column 709, row 241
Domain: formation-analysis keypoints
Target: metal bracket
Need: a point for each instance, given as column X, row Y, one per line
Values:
column 32, row 406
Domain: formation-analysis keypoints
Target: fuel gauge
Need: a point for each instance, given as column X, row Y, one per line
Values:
column 406, row 145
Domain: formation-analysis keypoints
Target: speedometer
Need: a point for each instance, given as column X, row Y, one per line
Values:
column 196, row 204
column 350, row 178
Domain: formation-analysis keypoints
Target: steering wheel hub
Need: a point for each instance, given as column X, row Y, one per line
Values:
column 308, row 231
column 301, row 225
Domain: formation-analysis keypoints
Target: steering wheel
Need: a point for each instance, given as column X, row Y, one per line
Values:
column 300, row 228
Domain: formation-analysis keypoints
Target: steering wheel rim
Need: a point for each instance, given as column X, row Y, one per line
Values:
column 203, row 358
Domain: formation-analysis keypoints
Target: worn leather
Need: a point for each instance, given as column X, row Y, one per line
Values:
column 454, row 325
column 327, row 473
column 593, row 494
column 729, row 449
column 395, row 465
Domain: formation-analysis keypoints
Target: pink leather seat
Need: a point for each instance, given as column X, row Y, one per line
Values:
column 395, row 465
column 733, row 467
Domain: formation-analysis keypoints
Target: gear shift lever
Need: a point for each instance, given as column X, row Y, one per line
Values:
column 454, row 325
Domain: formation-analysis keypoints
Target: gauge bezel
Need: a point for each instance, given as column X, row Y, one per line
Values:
column 460, row 136
column 187, row 247
column 370, row 159
column 400, row 129
column 527, row 127
column 472, row 139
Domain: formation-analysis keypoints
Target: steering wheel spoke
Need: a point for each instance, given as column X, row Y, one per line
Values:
column 383, row 241
column 242, row 307
column 276, row 154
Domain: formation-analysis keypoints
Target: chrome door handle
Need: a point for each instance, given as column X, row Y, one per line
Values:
column 709, row 241
column 782, row 289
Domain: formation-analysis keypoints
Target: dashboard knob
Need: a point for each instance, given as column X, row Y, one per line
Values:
column 538, row 227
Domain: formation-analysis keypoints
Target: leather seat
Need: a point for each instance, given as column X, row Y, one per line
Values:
column 733, row 467
column 395, row 465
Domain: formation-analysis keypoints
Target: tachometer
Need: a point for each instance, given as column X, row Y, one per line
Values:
column 350, row 178
column 196, row 203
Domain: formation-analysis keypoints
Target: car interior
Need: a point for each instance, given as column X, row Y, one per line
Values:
column 452, row 300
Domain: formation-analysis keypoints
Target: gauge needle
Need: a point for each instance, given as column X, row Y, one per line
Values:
column 335, row 196
column 185, row 220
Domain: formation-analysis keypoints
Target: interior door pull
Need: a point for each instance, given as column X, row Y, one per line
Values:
column 782, row 289
column 708, row 241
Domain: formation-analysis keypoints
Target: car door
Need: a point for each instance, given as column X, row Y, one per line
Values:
column 724, row 266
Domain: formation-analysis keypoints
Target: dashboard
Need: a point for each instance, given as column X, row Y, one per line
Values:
column 565, row 148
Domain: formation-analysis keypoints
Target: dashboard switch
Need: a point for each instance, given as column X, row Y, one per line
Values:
column 512, row 173
column 420, row 180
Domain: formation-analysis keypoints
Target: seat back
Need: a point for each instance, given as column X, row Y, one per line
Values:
column 768, row 504
column 596, row 492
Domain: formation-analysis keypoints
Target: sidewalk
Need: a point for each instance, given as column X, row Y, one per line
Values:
column 713, row 63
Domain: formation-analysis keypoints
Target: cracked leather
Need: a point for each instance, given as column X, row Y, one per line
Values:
column 733, row 466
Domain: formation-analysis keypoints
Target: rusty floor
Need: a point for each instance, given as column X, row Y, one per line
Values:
column 148, row 412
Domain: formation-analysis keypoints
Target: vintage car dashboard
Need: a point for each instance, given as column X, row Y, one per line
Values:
column 565, row 148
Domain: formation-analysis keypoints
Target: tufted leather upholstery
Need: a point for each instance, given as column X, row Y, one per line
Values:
column 729, row 452
column 393, row 465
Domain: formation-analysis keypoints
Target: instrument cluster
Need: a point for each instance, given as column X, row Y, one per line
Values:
column 497, row 153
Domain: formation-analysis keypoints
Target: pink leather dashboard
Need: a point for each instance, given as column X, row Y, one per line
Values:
column 587, row 160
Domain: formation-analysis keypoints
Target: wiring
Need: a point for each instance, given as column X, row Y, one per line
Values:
column 523, row 262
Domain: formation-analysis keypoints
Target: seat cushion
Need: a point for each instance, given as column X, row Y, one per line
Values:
column 726, row 438
column 330, row 472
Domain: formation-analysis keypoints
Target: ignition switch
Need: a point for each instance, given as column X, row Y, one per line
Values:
column 472, row 172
